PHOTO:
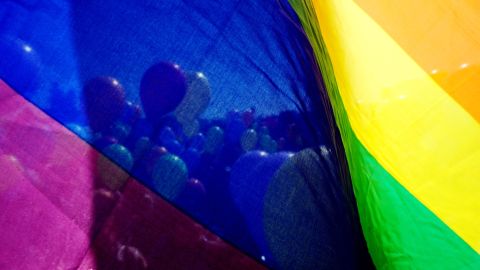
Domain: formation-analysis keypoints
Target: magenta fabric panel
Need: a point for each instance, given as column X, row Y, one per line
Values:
column 147, row 232
column 63, row 206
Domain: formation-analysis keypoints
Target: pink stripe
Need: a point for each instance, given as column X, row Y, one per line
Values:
column 63, row 205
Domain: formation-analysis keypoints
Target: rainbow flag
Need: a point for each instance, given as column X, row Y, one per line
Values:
column 402, row 77
column 239, row 134
column 168, row 135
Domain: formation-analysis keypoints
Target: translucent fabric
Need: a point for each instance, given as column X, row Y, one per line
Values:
column 168, row 135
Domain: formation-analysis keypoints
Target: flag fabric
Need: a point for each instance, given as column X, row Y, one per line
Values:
column 402, row 79
column 169, row 135
column 52, row 205
column 239, row 134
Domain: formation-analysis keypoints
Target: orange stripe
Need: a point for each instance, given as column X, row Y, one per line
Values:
column 443, row 37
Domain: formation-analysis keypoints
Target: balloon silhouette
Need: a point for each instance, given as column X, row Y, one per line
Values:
column 166, row 135
column 193, row 197
column 197, row 142
column 174, row 147
column 162, row 88
column 214, row 141
column 119, row 130
column 305, row 220
column 141, row 147
column 248, row 117
column 169, row 176
column 120, row 154
column 81, row 131
column 249, row 139
column 112, row 176
column 267, row 143
column 105, row 102
column 146, row 162
column 196, row 99
column 249, row 180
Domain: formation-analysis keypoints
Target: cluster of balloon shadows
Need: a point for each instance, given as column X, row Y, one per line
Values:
column 217, row 170
column 258, row 181
column 261, row 182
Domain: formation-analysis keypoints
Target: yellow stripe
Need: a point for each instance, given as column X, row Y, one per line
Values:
column 415, row 130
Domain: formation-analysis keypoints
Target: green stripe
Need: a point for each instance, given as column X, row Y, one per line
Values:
column 401, row 233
